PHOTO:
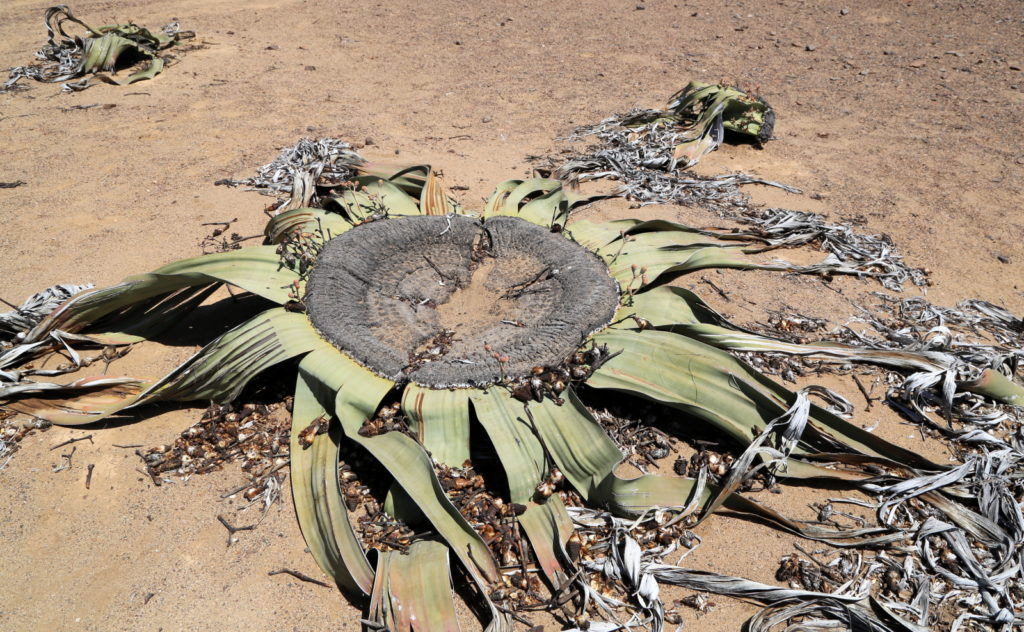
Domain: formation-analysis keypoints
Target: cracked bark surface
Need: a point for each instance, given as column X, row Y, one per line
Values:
column 424, row 298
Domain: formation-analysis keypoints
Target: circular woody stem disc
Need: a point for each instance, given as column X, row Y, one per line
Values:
column 432, row 299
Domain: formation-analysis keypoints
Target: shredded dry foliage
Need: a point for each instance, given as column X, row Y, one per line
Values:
column 299, row 170
column 639, row 149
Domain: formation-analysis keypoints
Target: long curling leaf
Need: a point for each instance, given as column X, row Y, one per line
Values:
column 217, row 372
column 409, row 178
column 257, row 270
column 522, row 457
column 412, row 590
column 81, row 402
column 316, row 492
column 683, row 311
column 305, row 220
column 440, row 421
column 712, row 385
column 221, row 369
column 359, row 394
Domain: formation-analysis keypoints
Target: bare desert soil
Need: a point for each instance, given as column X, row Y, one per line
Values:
column 906, row 117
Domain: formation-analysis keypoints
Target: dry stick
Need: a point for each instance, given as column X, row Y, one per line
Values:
column 720, row 291
column 70, row 441
column 298, row 575
column 88, row 475
column 232, row 530
column 149, row 471
column 67, row 461
column 156, row 479
column 134, row 445
column 864, row 392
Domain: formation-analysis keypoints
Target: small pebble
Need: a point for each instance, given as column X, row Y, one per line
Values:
column 369, row 141
column 1003, row 258
column 844, row 11
column 810, row 47
column 918, row 63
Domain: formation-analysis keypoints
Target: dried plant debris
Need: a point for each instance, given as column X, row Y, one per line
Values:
column 13, row 430
column 219, row 240
column 15, row 323
column 16, row 354
column 870, row 255
column 106, row 49
column 649, row 151
column 634, row 430
column 614, row 553
column 299, row 170
column 254, row 435
column 639, row 164
column 952, row 559
column 693, row 124
column 977, row 344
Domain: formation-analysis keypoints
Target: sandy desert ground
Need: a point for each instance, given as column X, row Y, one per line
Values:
column 903, row 117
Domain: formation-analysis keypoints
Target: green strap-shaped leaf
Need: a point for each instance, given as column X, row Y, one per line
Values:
column 519, row 201
column 398, row 202
column 579, row 446
column 684, row 312
column 316, row 492
column 440, row 421
column 496, row 203
column 684, row 374
column 542, row 201
column 548, row 528
column 357, row 400
column 587, row 457
column 145, row 320
column 256, row 269
column 312, row 221
column 628, row 267
column 598, row 235
column 531, row 188
column 409, row 178
column 712, row 385
column 413, row 590
column 518, row 448
column 670, row 306
column 640, row 241
column 218, row 372
column 222, row 368
column 522, row 457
